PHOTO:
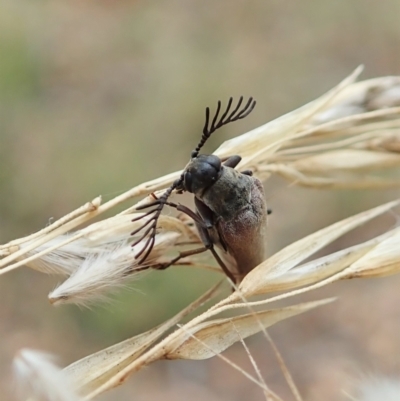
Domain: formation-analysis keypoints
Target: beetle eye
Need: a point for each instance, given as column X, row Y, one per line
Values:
column 188, row 181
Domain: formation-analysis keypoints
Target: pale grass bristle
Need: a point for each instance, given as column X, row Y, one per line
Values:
column 94, row 278
column 106, row 270
column 344, row 139
column 377, row 388
column 39, row 378
column 64, row 261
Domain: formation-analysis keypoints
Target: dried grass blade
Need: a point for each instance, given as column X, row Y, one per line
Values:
column 248, row 145
column 86, row 208
column 142, row 189
column 284, row 369
column 385, row 261
column 346, row 160
column 220, row 334
column 349, row 180
column 321, row 268
column 256, row 282
column 381, row 261
column 268, row 393
column 371, row 94
column 91, row 372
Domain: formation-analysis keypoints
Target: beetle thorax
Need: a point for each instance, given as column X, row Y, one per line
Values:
column 229, row 194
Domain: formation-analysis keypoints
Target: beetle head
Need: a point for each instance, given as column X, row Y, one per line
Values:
column 201, row 172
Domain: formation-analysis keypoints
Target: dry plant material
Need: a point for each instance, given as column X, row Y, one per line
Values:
column 205, row 340
column 372, row 387
column 196, row 340
column 89, row 373
column 347, row 138
column 258, row 281
column 40, row 379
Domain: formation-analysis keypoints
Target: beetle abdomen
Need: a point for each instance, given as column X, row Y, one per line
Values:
column 244, row 235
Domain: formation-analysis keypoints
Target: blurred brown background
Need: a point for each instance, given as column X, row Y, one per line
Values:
column 97, row 96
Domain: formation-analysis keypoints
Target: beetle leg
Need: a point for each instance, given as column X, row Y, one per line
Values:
column 184, row 254
column 232, row 161
column 162, row 266
column 205, row 213
column 186, row 210
column 208, row 219
column 180, row 208
column 203, row 220
column 205, row 237
column 222, row 265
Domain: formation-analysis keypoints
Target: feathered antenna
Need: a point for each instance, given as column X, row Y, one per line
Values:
column 155, row 213
column 235, row 115
column 152, row 222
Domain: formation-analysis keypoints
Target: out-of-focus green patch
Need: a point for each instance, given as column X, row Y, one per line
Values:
column 19, row 72
column 19, row 65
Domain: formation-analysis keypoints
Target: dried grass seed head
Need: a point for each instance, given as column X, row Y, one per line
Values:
column 106, row 271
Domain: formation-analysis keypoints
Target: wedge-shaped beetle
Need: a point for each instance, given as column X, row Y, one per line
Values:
column 231, row 212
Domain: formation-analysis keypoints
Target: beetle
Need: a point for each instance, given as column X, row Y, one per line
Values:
column 231, row 211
